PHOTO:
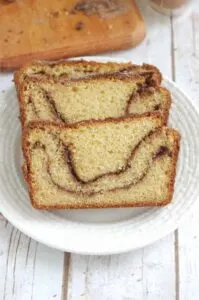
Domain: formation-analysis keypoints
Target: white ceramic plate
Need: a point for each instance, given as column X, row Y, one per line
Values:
column 98, row 231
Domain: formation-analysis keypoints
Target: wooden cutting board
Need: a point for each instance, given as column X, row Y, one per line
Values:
column 44, row 29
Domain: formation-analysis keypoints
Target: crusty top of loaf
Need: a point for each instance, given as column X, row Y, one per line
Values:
column 80, row 68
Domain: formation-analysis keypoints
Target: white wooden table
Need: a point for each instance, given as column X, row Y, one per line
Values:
column 166, row 270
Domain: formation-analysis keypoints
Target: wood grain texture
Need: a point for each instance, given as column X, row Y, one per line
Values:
column 134, row 276
column 28, row 270
column 43, row 29
column 67, row 277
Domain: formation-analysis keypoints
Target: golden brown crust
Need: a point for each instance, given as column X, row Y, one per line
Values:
column 21, row 107
column 97, row 205
column 24, row 171
column 177, row 138
column 166, row 111
column 175, row 152
column 157, row 72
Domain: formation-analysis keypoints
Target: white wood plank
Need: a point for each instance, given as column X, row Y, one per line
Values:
column 48, row 273
column 28, row 270
column 186, row 43
column 144, row 274
column 148, row 273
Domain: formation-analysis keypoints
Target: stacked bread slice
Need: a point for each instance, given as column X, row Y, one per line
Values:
column 94, row 135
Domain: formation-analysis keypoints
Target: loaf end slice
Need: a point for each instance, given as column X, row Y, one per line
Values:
column 111, row 163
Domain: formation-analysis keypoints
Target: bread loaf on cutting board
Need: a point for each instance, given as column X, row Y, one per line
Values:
column 43, row 29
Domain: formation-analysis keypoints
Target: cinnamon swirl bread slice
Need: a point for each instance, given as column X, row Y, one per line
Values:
column 91, row 98
column 111, row 163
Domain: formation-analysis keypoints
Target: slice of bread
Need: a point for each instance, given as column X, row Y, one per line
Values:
column 64, row 70
column 96, row 98
column 112, row 163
